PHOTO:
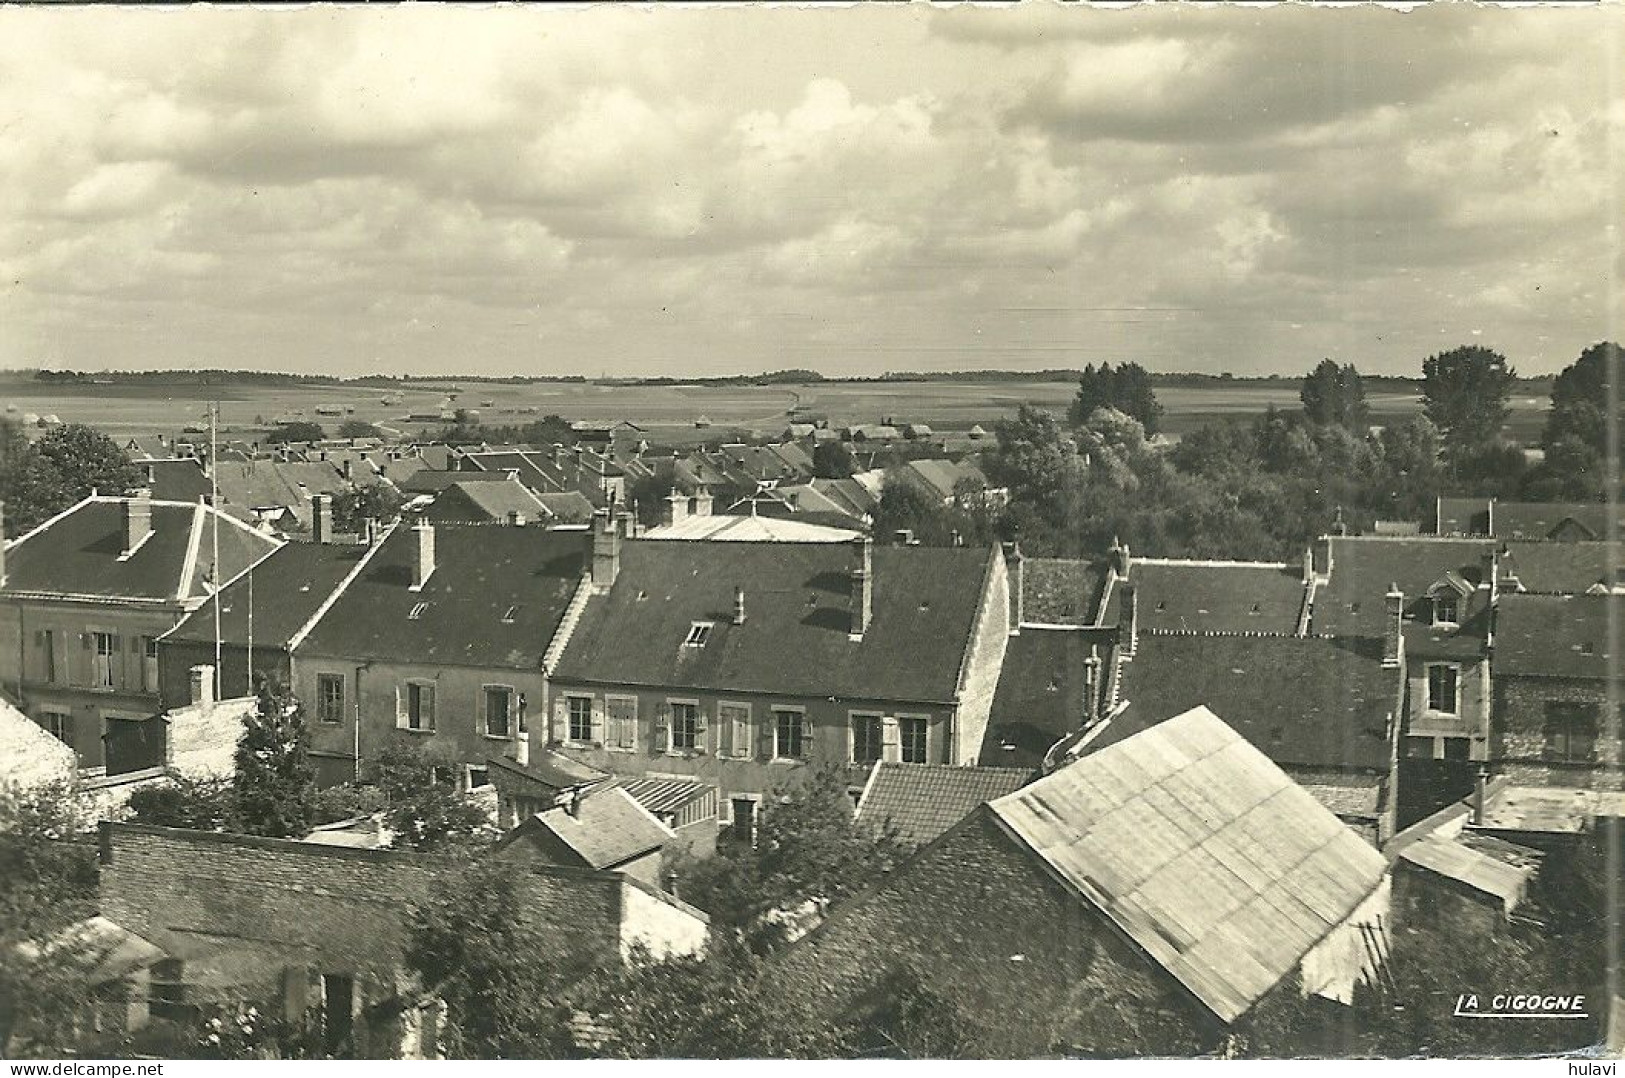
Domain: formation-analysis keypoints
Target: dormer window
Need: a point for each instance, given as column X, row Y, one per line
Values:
column 1446, row 610
column 698, row 634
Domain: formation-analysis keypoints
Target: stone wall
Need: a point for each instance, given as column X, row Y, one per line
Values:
column 984, row 661
column 1519, row 739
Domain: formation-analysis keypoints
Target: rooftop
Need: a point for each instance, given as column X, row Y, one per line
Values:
column 607, row 828
column 1363, row 568
column 1560, row 568
column 1214, row 596
column 1557, row 635
column 729, row 527
column 1061, row 591
column 1040, row 696
column 288, row 585
column 923, row 800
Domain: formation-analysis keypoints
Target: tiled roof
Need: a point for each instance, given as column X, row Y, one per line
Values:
column 480, row 502
column 433, row 481
column 495, row 598
column 795, row 639
column 924, row 800
column 1304, row 701
column 1214, row 597
column 546, row 774
column 941, row 476
column 1061, row 591
column 1462, row 516
column 1362, row 800
column 79, row 552
column 1221, row 868
column 1040, row 696
column 1556, row 635
column 260, row 484
column 731, row 527
column 608, row 828
column 288, row 586
column 1364, row 567
column 567, row 507
column 1559, row 568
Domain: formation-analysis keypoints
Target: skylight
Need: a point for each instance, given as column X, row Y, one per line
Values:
column 417, row 612
column 509, row 614
column 698, row 634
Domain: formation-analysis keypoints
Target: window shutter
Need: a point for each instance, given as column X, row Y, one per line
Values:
column 86, row 640
column 561, row 719
column 135, row 644
column 806, row 737
column 662, row 738
column 764, row 739
column 725, row 731
column 890, row 740
column 597, row 721
column 742, row 734
column 400, row 707
column 700, row 728
column 426, row 707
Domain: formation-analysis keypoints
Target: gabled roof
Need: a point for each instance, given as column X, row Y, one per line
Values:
column 795, row 639
column 288, row 586
column 1550, row 520
column 1061, row 591
column 923, row 800
column 608, row 828
column 1302, row 701
column 1040, row 696
column 1213, row 596
column 495, row 598
column 1220, row 867
column 262, row 484
column 1559, row 568
column 433, row 481
column 1364, row 567
column 80, row 552
column 546, row 774
column 176, row 480
column 567, row 507
column 734, row 527
column 484, row 502
column 941, row 476
column 1557, row 635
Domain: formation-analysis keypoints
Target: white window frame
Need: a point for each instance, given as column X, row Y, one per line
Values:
column 512, row 695
column 925, row 737
column 468, row 776
column 1427, row 687
column 570, row 701
column 56, row 720
column 324, row 678
column 149, row 663
column 672, row 748
column 801, row 714
column 852, row 720
column 1455, row 607
column 403, row 705
column 612, row 739
column 742, row 736
column 699, row 634
column 104, row 665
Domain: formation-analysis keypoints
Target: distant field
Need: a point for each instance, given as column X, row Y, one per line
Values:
column 667, row 411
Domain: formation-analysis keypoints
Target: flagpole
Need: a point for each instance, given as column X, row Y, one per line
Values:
column 214, row 520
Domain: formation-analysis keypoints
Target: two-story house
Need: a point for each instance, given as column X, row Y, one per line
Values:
column 741, row 663
column 438, row 637
column 85, row 596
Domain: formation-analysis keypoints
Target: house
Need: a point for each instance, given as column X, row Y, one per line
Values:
column 1541, row 521
column 603, row 828
column 291, row 926
column 274, row 493
column 1463, row 879
column 1052, row 685
column 85, row 596
column 509, row 502
column 922, row 801
column 734, row 528
column 739, row 664
column 1546, row 568
column 1556, row 687
column 1228, row 597
column 438, row 637
column 195, row 740
column 1145, row 900
column 30, row 754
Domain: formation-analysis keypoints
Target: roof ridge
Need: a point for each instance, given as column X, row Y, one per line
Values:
column 327, row 604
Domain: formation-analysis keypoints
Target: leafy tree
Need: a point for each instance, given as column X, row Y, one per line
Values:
column 359, row 428
column 648, row 493
column 470, row 944
column 1465, row 393
column 195, row 804
column 1127, row 389
column 40, row 480
column 1334, row 395
column 1576, row 437
column 426, row 811
column 375, row 501
column 833, row 460
column 302, row 430
column 907, row 504
column 1409, row 476
column 1033, row 457
column 274, row 787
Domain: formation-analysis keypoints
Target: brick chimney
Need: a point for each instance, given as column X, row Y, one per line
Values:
column 321, row 518
column 1121, row 562
column 862, row 593
column 202, row 684
column 422, row 554
column 1128, row 620
column 739, row 606
column 1393, row 630
column 1309, row 566
column 606, row 550
column 137, row 519
column 676, row 507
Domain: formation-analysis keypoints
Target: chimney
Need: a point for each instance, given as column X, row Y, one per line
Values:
column 422, row 554
column 321, row 518
column 1128, row 620
column 1309, row 566
column 676, row 507
column 1091, row 688
column 202, row 682
column 516, row 519
column 863, row 589
column 955, row 538
column 1120, row 559
column 574, row 806
column 1480, row 788
column 346, row 468
column 1014, row 561
column 702, row 503
column 739, row 606
column 904, row 536
column 521, row 748
column 606, row 550
column 137, row 519
column 1393, row 634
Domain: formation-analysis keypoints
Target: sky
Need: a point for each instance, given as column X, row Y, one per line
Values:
column 702, row 191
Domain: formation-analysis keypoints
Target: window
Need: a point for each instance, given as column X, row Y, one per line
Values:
column 498, row 708
column 59, row 724
column 477, row 775
column 913, row 730
column 417, row 710
column 580, row 717
column 1571, row 731
column 685, row 727
column 1457, row 748
column 105, row 646
column 149, row 664
column 48, row 644
column 623, row 721
column 510, row 614
column 1442, row 689
column 868, row 734
column 789, row 734
column 440, row 775
column 1444, row 610
column 330, row 698
column 733, row 721
column 698, row 634
column 744, row 819
column 417, row 611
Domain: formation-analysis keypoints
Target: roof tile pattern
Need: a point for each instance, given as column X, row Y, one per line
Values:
column 924, row 800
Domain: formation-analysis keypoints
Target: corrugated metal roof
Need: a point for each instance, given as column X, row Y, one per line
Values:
column 1204, row 852
column 666, row 795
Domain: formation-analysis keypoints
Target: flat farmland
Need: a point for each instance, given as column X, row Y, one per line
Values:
column 672, row 413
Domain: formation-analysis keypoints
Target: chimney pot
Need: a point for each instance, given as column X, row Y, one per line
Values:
column 863, row 589
column 516, row 518
column 321, row 518
column 1480, row 789
column 137, row 519
column 202, row 684
column 423, row 553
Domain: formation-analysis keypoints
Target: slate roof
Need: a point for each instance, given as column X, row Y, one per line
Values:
column 261, row 484
column 923, row 800
column 433, row 480
column 1214, row 597
column 485, row 502
column 1550, row 520
column 1302, row 701
column 795, row 640
column 1461, row 516
column 78, row 552
column 608, row 829
column 1556, row 635
column 176, row 480
column 481, row 575
column 941, row 476
column 1352, row 602
column 1061, row 591
column 289, row 585
column 567, row 507
column 1559, row 568
column 1040, row 696
column 546, row 774
column 1221, row 868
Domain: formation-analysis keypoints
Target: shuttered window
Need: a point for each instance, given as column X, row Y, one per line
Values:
column 623, row 721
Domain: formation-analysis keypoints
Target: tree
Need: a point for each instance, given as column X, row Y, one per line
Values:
column 359, row 428
column 833, row 460
column 274, row 787
column 40, row 480
column 1333, row 395
column 195, row 804
column 1577, row 438
column 1465, row 393
column 470, row 944
column 373, row 501
column 1127, row 389
column 426, row 811
column 301, row 430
